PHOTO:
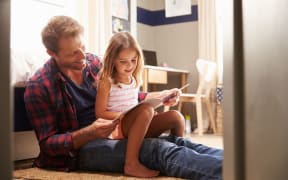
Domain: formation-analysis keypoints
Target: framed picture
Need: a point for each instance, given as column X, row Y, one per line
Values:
column 120, row 9
column 120, row 25
column 120, row 15
column 177, row 8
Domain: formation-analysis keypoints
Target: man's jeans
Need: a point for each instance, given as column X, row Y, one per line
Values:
column 172, row 156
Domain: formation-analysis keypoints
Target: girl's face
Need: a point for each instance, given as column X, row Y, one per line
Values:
column 126, row 63
column 71, row 55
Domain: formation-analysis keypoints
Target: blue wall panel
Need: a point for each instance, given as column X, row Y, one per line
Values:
column 156, row 18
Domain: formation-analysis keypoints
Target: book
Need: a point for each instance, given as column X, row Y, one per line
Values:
column 154, row 102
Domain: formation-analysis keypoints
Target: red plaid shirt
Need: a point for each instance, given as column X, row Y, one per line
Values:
column 53, row 115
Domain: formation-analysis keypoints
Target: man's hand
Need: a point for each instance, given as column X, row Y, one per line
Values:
column 102, row 128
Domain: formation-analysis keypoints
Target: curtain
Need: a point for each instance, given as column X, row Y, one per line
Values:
column 210, row 39
column 210, row 36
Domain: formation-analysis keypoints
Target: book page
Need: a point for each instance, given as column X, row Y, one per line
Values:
column 155, row 102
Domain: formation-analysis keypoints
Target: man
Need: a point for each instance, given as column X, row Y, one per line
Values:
column 60, row 100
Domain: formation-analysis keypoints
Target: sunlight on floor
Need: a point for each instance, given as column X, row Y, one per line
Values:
column 207, row 139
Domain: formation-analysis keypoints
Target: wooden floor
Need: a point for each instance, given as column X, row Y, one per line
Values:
column 207, row 139
column 24, row 171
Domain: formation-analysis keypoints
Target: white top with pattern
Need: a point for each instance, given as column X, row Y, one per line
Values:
column 122, row 96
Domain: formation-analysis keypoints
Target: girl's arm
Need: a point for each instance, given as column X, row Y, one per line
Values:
column 101, row 103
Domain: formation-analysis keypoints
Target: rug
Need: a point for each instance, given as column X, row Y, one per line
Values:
column 41, row 174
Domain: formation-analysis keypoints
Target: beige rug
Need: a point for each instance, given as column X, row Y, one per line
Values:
column 41, row 174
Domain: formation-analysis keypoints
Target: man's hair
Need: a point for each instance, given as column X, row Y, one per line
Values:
column 118, row 42
column 59, row 27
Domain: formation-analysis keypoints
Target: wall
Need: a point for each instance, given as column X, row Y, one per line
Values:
column 28, row 17
column 27, row 50
column 176, row 44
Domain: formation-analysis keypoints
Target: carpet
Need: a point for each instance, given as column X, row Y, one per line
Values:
column 41, row 174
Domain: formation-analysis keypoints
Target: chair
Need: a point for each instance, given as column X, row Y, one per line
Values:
column 206, row 70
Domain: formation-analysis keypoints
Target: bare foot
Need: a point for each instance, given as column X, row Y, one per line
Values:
column 138, row 170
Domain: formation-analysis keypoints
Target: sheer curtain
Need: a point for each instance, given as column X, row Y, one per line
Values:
column 210, row 37
column 95, row 16
column 210, row 33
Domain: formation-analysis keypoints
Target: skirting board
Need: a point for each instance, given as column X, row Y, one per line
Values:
column 25, row 145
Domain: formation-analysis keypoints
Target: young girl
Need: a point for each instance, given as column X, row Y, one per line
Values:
column 118, row 90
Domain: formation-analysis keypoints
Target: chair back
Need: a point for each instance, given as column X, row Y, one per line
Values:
column 206, row 70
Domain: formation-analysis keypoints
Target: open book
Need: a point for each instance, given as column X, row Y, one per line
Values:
column 155, row 102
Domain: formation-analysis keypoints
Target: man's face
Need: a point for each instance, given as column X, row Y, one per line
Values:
column 71, row 54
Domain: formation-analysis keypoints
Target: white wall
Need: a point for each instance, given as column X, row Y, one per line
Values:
column 146, row 33
column 149, row 4
column 146, row 36
column 177, row 44
column 28, row 17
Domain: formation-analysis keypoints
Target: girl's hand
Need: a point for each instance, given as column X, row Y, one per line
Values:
column 155, row 112
column 172, row 98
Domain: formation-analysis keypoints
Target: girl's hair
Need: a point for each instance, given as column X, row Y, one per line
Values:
column 117, row 43
column 58, row 27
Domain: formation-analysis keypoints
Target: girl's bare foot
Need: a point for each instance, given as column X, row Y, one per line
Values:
column 138, row 170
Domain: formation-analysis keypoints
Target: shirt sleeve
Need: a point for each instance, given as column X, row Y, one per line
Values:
column 141, row 96
column 42, row 114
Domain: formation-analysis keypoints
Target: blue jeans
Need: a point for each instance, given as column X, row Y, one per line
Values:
column 172, row 156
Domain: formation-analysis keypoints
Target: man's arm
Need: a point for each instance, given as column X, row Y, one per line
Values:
column 42, row 114
column 101, row 128
column 53, row 140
